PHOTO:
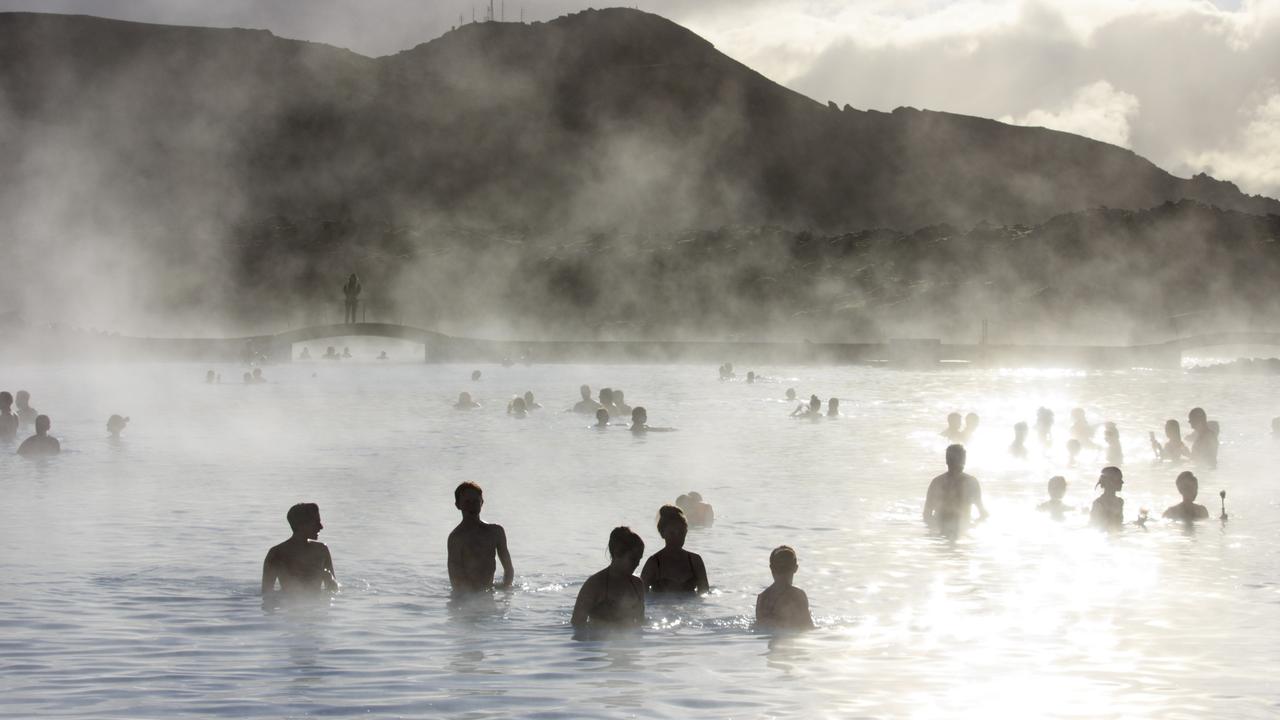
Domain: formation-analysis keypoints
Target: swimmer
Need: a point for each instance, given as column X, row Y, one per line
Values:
column 620, row 405
column 475, row 375
column 1108, row 510
column 208, row 377
column 602, row 419
column 751, row 377
column 952, row 495
column 791, row 396
column 1044, row 425
column 257, row 376
column 1081, row 430
column 782, row 605
column 586, row 405
column 1111, row 436
column 699, row 512
column 41, row 444
column 26, row 413
column 606, row 400
column 330, row 354
column 346, row 352
column 970, row 426
column 674, row 569
column 1204, row 439
column 383, row 355
column 833, row 408
column 529, row 404
column 116, row 425
column 640, row 422
column 812, row 410
column 305, row 354
column 1018, row 448
column 517, row 408
column 1174, row 450
column 248, row 378
column 1054, row 505
column 302, row 565
column 474, row 543
column 1187, row 510
column 614, row 596
column 8, row 421
column 1073, row 450
column 954, row 432
column 465, row 402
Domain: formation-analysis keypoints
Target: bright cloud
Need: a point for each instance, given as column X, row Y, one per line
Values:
column 1253, row 160
column 1096, row 110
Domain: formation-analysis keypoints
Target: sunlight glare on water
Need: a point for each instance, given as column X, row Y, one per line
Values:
column 131, row 569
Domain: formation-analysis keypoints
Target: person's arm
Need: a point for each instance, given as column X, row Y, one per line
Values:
column 639, row 609
column 929, row 503
column 700, row 573
column 649, row 572
column 269, row 575
column 977, row 500
column 456, row 577
column 504, row 557
column 330, row 577
column 582, row 606
column 710, row 516
column 807, row 620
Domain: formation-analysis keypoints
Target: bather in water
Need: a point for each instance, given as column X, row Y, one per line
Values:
column 473, row 544
column 301, row 564
column 614, row 597
column 783, row 606
column 1107, row 512
column 674, row 569
column 1187, row 510
column 586, row 405
column 952, row 495
column 1054, row 505
column 42, row 444
column 1018, row 448
column 116, row 425
column 465, row 402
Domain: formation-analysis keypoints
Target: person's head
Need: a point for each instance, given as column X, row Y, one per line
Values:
column 602, row 417
column 751, row 377
column 684, row 502
column 1020, row 432
column 353, row 279
column 528, row 398
column 833, row 406
column 971, row 421
column 24, row 399
column 1073, row 447
column 639, row 416
column 953, row 421
column 955, row 457
column 1172, row 430
column 6, row 399
column 464, row 398
column 208, row 377
column 304, row 520
column 672, row 525
column 815, row 403
column 586, row 392
column 783, row 562
column 626, row 547
column 475, row 374
column 257, row 372
column 1044, row 417
column 42, row 424
column 469, row 498
column 518, row 405
column 1188, row 486
column 115, row 424
column 1077, row 415
column 1111, row 479
column 617, row 397
column 606, row 396
column 1057, row 487
column 1111, row 433
column 1197, row 418
column 248, row 377
column 791, row 395
column 695, row 496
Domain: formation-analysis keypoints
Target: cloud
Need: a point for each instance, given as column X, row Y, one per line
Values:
column 1096, row 110
column 1253, row 159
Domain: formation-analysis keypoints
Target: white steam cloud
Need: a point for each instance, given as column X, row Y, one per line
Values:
column 1097, row 110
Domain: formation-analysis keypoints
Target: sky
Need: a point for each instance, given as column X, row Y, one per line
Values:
column 1193, row 85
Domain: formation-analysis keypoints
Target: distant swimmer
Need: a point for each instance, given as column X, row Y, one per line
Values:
column 1044, row 425
column 383, row 355
column 954, row 430
column 330, row 353
column 1018, row 448
column 346, row 352
column 606, row 401
column 1054, row 505
column 465, row 402
column 640, row 422
column 751, row 377
column 1174, row 449
column 952, row 495
column 602, row 419
column 473, row 544
column 26, row 413
column 586, row 405
column 1081, row 429
column 1204, row 439
column 674, row 569
column 791, row 396
column 209, row 377
column 116, row 425
column 812, row 410
column 620, row 406
column 1187, row 510
column 614, row 597
column 1111, row 436
column 1108, row 510
column 8, row 421
column 475, row 375
column 305, row 354
column 698, row 511
column 257, row 376
column 833, row 408
column 302, row 565
column 1073, row 451
column 42, row 444
column 248, row 378
column 971, row 422
column 726, row 372
column 783, row 606
column 529, row 404
column 517, row 409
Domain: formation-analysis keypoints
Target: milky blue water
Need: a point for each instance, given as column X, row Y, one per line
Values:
column 129, row 571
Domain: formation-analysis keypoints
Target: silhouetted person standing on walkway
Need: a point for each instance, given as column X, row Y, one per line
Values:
column 351, row 291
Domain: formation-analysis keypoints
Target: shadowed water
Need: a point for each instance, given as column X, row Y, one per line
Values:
column 131, row 569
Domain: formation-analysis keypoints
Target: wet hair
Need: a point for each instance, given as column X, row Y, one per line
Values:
column 301, row 513
column 42, row 423
column 622, row 541
column 783, row 557
column 1109, row 471
column 1171, row 427
column 457, row 492
column 1057, row 486
column 7, row 399
column 1186, row 482
column 668, row 514
column 1197, row 413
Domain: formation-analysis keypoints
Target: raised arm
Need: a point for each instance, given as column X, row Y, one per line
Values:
column 504, row 557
